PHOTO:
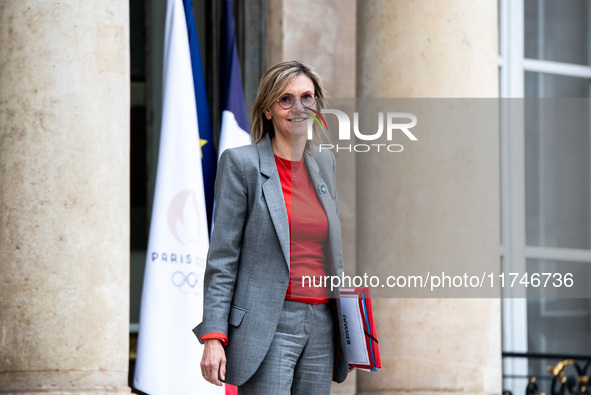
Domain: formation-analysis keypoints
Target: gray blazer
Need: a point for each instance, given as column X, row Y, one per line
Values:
column 247, row 269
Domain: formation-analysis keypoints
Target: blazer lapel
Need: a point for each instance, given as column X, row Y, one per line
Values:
column 273, row 194
column 327, row 201
column 320, row 186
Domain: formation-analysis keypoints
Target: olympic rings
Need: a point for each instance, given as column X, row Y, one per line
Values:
column 186, row 282
column 179, row 279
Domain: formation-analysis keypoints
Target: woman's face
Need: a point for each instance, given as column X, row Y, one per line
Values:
column 292, row 123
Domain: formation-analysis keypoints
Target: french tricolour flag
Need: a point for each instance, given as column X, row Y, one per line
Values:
column 234, row 123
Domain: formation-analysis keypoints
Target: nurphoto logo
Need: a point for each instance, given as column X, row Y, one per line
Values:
column 396, row 122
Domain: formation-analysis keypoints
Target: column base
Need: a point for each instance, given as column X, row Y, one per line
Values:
column 106, row 392
column 79, row 382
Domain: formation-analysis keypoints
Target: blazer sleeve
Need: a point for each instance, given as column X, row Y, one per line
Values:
column 231, row 210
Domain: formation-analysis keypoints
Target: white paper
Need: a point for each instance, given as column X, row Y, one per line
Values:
column 354, row 331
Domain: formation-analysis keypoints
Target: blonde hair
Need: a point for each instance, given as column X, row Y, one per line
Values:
column 274, row 84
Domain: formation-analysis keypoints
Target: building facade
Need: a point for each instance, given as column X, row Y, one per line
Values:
column 70, row 72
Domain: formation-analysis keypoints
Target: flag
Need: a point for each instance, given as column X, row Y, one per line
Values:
column 234, row 122
column 208, row 155
column 168, row 354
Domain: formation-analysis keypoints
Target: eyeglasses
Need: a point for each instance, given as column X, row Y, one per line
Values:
column 287, row 101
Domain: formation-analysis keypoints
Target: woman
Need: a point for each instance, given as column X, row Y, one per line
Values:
column 276, row 214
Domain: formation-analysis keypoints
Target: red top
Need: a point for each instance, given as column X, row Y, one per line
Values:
column 308, row 230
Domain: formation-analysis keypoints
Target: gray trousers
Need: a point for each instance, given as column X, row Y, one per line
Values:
column 300, row 359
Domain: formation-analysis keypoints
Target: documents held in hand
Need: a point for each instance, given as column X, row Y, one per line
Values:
column 360, row 329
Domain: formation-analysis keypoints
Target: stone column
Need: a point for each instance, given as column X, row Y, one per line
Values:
column 432, row 49
column 64, row 196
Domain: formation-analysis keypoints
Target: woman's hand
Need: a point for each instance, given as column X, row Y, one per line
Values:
column 213, row 362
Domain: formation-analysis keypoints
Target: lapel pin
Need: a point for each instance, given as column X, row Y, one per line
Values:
column 323, row 190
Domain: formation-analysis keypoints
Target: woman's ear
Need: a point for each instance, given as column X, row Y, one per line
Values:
column 268, row 114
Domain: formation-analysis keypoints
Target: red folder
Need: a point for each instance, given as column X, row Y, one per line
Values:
column 360, row 329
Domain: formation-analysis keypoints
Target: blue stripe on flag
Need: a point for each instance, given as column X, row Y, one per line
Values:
column 232, row 92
